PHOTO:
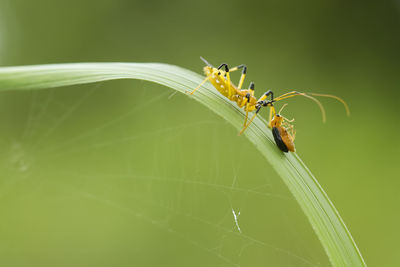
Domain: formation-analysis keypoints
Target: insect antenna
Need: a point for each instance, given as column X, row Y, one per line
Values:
column 321, row 107
column 280, row 111
column 285, row 120
column 295, row 93
column 337, row 98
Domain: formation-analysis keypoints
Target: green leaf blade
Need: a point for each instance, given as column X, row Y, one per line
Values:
column 324, row 218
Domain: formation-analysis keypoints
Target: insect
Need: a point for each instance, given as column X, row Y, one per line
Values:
column 282, row 130
column 220, row 79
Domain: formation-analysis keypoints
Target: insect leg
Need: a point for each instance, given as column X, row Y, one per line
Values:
column 265, row 96
column 261, row 103
column 292, row 131
column 208, row 77
column 244, row 71
column 247, row 99
column 228, row 78
column 271, row 115
column 251, row 120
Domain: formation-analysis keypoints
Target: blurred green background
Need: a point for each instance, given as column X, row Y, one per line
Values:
column 126, row 173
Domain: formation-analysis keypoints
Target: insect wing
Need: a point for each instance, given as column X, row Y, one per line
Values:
column 278, row 140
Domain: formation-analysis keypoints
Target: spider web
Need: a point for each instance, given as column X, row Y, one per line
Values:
column 115, row 175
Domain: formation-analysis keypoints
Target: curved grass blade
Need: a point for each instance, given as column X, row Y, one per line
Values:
column 324, row 218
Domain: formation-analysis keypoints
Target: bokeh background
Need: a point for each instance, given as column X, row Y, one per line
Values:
column 127, row 173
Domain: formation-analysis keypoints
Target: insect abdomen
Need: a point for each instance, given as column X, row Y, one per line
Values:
column 282, row 139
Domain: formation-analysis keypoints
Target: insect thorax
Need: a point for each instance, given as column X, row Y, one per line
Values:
column 276, row 121
column 217, row 79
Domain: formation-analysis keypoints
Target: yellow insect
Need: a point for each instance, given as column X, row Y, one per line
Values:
column 244, row 98
column 220, row 79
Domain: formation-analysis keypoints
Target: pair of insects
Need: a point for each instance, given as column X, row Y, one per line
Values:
column 282, row 129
